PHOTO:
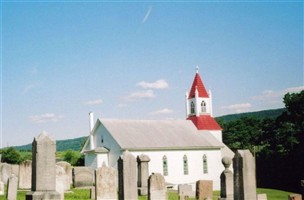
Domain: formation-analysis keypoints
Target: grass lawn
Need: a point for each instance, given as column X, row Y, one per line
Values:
column 84, row 194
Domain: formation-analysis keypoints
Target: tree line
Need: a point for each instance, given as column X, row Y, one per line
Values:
column 278, row 144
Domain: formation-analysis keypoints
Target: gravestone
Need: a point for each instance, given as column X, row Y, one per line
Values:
column 93, row 193
column 261, row 196
column 62, row 181
column 12, row 186
column 226, row 180
column 105, row 183
column 83, row 176
column 294, row 197
column 185, row 191
column 15, row 170
column 204, row 189
column 43, row 169
column 244, row 176
column 5, row 172
column 143, row 173
column 67, row 168
column 127, row 177
column 25, row 175
column 156, row 187
column 2, row 189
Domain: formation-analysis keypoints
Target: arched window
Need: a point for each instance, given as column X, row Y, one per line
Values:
column 185, row 163
column 203, row 106
column 165, row 166
column 205, row 164
column 192, row 108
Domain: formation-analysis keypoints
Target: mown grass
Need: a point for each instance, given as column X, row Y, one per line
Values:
column 84, row 194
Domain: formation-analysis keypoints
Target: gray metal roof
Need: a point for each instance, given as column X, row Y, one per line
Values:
column 159, row 134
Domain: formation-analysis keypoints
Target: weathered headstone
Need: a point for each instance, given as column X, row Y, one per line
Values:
column 185, row 191
column 25, row 175
column 226, row 180
column 143, row 173
column 15, row 170
column 244, row 176
column 127, row 177
column 2, row 188
column 43, row 169
column 5, row 172
column 204, row 189
column 12, row 186
column 93, row 193
column 62, row 181
column 294, row 197
column 156, row 187
column 67, row 168
column 261, row 196
column 83, row 176
column 105, row 183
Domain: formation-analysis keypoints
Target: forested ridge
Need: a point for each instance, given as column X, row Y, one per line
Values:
column 277, row 143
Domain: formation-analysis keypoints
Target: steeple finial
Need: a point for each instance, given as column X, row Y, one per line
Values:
column 197, row 69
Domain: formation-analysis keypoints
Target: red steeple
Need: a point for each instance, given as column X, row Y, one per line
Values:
column 202, row 120
column 198, row 83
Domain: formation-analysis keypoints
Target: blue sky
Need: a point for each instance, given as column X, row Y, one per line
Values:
column 136, row 60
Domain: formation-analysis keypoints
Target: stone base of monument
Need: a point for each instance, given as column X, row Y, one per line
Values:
column 48, row 195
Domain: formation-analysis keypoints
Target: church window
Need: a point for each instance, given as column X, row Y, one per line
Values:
column 205, row 164
column 203, row 105
column 165, row 166
column 192, row 108
column 185, row 163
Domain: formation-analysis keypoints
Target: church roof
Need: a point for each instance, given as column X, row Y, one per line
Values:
column 198, row 83
column 159, row 134
column 205, row 122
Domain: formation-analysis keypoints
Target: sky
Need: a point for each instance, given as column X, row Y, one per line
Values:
column 137, row 59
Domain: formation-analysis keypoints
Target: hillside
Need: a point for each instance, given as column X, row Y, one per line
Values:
column 272, row 114
column 61, row 145
column 76, row 143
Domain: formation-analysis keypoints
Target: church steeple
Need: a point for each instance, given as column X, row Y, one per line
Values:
column 199, row 106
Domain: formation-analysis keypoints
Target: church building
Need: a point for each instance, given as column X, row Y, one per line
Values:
column 183, row 151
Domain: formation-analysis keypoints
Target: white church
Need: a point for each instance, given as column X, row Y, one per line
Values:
column 183, row 151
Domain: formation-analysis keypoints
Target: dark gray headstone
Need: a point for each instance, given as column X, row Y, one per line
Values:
column 244, row 176
column 127, row 176
column 43, row 169
column 226, row 180
column 143, row 173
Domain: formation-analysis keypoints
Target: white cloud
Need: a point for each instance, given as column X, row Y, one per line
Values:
column 122, row 105
column 238, row 108
column 94, row 102
column 146, row 94
column 164, row 111
column 147, row 15
column 272, row 96
column 159, row 84
column 47, row 117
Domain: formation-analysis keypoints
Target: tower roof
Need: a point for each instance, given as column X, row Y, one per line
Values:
column 205, row 122
column 198, row 83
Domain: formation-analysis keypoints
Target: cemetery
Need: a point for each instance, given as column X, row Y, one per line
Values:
column 43, row 178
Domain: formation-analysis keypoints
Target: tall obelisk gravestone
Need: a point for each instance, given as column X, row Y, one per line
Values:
column 43, row 169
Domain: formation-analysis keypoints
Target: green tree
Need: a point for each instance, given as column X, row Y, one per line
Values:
column 11, row 155
column 243, row 133
column 73, row 157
